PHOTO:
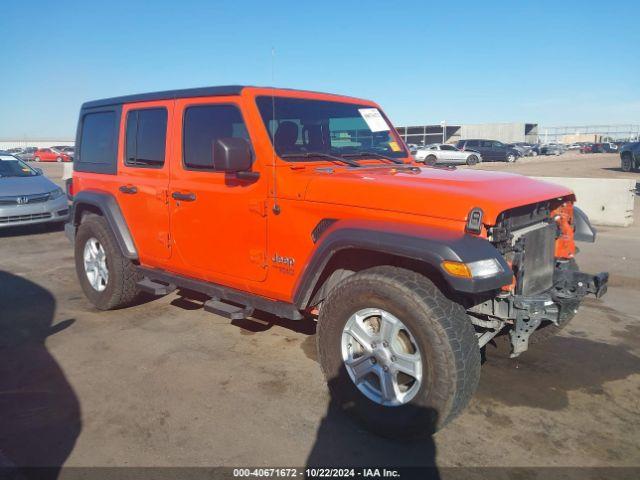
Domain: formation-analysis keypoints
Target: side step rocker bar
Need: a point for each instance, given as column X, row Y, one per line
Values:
column 221, row 294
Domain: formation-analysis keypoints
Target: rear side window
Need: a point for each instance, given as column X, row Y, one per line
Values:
column 146, row 137
column 98, row 141
column 203, row 126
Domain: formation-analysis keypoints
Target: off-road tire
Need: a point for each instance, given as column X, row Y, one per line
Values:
column 430, row 160
column 121, row 289
column 472, row 160
column 442, row 331
column 626, row 164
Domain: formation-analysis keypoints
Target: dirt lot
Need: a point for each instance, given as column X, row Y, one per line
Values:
column 569, row 164
column 165, row 383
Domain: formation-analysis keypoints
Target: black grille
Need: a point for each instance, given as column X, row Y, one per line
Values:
column 24, row 218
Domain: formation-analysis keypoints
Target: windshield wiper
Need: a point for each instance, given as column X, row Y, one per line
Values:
column 373, row 154
column 353, row 163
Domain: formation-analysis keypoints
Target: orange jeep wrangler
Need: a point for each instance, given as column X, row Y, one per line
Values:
column 308, row 204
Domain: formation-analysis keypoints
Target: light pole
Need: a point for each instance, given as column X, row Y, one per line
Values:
column 443, row 124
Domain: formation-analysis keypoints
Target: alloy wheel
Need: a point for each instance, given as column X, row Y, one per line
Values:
column 95, row 264
column 382, row 357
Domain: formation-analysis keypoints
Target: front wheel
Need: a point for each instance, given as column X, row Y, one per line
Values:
column 626, row 164
column 511, row 158
column 472, row 160
column 397, row 354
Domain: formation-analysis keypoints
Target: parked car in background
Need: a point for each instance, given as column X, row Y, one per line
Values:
column 490, row 150
column 574, row 146
column 552, row 149
column 27, row 196
column 586, row 148
column 13, row 151
column 69, row 151
column 51, row 155
column 530, row 149
column 442, row 153
column 630, row 157
column 26, row 154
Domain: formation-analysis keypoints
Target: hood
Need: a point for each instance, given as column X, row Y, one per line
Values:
column 10, row 186
column 431, row 191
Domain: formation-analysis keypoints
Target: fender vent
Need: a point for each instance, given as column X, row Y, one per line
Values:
column 321, row 227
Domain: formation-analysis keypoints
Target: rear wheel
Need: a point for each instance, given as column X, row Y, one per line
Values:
column 107, row 278
column 430, row 160
column 472, row 160
column 397, row 354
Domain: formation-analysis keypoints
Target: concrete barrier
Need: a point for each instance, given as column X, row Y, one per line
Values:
column 67, row 171
column 607, row 201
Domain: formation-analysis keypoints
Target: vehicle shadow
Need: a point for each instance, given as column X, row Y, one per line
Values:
column 37, row 229
column 341, row 442
column 39, row 411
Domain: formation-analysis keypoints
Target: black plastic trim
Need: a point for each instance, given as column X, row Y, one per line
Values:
column 167, row 95
column 427, row 244
column 584, row 231
column 214, row 290
column 110, row 209
column 110, row 168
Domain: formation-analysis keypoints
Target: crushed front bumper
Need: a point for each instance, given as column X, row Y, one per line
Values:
column 525, row 313
column 563, row 300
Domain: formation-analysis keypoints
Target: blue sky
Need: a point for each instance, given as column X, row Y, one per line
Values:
column 551, row 62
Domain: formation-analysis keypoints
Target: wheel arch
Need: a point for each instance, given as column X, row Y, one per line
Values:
column 351, row 246
column 105, row 205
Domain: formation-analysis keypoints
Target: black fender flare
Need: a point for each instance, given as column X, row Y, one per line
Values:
column 108, row 205
column 427, row 244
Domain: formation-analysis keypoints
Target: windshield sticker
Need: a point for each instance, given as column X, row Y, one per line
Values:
column 394, row 146
column 374, row 119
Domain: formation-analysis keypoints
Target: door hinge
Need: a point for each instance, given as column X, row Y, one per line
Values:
column 259, row 207
column 165, row 239
column 163, row 196
column 259, row 257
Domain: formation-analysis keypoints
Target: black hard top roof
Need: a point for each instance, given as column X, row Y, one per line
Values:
column 183, row 93
column 167, row 95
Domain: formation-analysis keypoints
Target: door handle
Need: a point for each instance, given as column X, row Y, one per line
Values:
column 185, row 197
column 130, row 189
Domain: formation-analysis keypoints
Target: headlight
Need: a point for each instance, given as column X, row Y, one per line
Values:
column 479, row 269
column 55, row 193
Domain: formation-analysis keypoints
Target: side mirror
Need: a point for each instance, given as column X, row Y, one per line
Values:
column 232, row 155
column 39, row 171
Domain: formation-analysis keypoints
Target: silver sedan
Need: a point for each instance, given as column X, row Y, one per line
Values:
column 442, row 153
column 27, row 196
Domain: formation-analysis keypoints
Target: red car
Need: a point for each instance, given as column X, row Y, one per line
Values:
column 51, row 155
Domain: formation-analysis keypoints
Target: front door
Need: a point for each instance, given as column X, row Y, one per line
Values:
column 218, row 221
column 143, row 174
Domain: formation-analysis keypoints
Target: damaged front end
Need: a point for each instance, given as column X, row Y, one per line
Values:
column 538, row 242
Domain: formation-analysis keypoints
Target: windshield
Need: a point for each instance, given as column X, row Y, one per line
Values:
column 10, row 166
column 302, row 126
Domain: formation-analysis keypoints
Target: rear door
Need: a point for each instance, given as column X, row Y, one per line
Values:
column 143, row 174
